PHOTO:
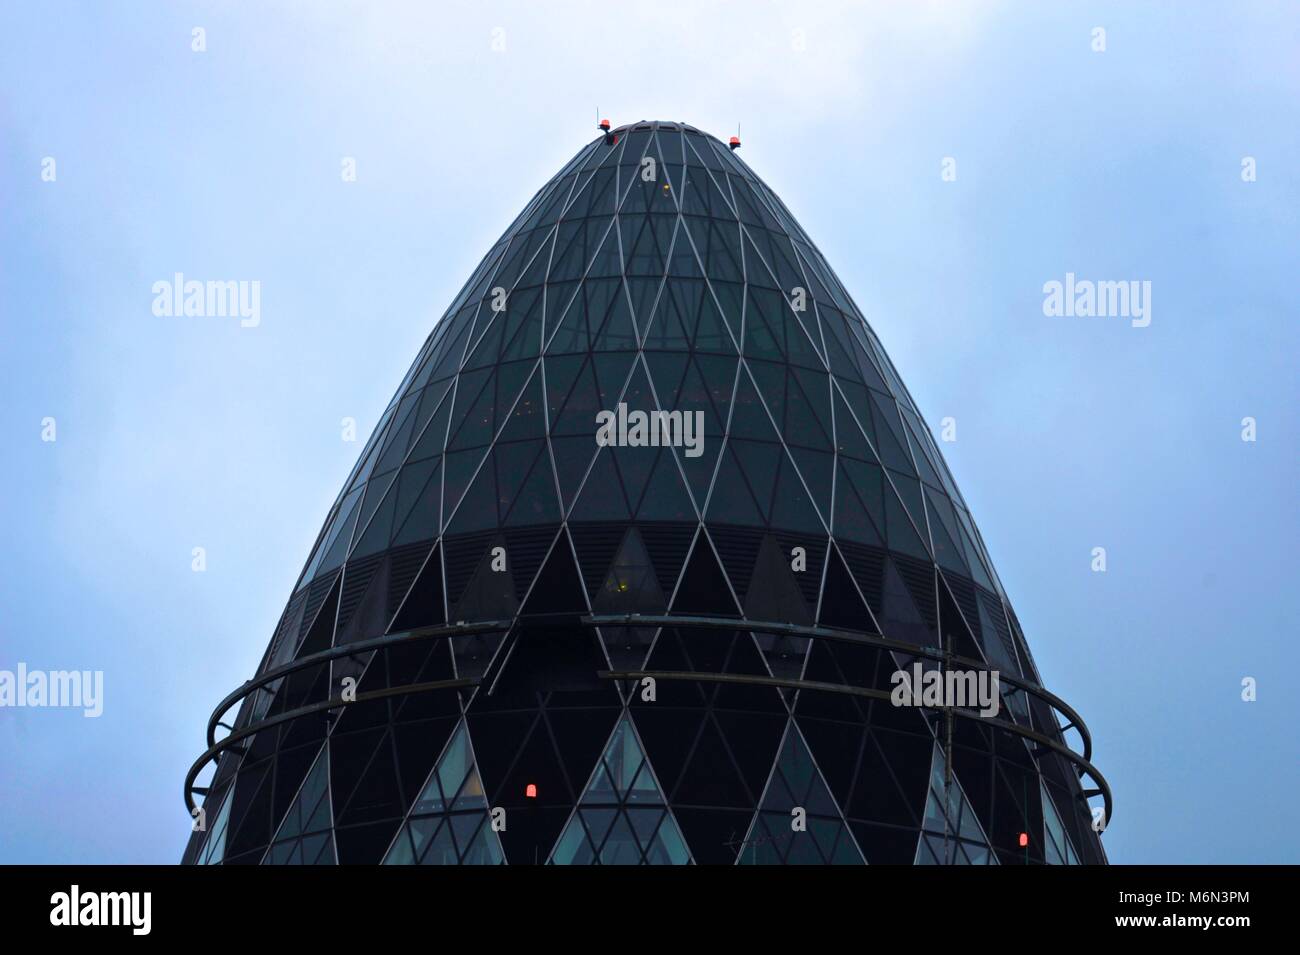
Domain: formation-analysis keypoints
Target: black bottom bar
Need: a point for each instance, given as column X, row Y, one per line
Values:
column 249, row 906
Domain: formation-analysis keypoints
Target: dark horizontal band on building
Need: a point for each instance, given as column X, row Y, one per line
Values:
column 1073, row 720
column 248, row 687
column 345, row 650
column 229, row 742
column 1082, row 765
column 1081, row 762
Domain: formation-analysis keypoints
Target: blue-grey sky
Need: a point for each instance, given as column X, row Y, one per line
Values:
column 1072, row 433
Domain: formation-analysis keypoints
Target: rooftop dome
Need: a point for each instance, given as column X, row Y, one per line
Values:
column 501, row 579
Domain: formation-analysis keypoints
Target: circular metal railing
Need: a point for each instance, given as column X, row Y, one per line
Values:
column 1081, row 761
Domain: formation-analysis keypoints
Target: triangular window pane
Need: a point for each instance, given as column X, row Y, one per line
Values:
column 621, row 847
column 1059, row 851
column 485, row 849
column 442, row 851
column 471, row 793
column 623, row 757
column 601, row 791
column 797, row 784
column 399, row 853
column 621, row 776
column 644, row 822
column 446, row 779
column 454, row 764
column 643, row 788
column 958, row 822
column 598, row 822
column 311, row 804
column 214, row 848
column 668, row 847
column 573, row 847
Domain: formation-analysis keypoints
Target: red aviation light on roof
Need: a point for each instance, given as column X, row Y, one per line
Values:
column 1024, row 839
column 604, row 124
column 530, row 791
column 735, row 142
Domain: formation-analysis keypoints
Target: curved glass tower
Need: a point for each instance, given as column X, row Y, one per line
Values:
column 627, row 569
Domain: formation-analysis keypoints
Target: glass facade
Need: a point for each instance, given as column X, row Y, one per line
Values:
column 663, row 647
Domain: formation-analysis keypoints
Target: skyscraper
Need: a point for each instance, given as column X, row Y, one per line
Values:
column 628, row 568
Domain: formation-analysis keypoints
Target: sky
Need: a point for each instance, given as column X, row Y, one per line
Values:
column 1127, row 162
